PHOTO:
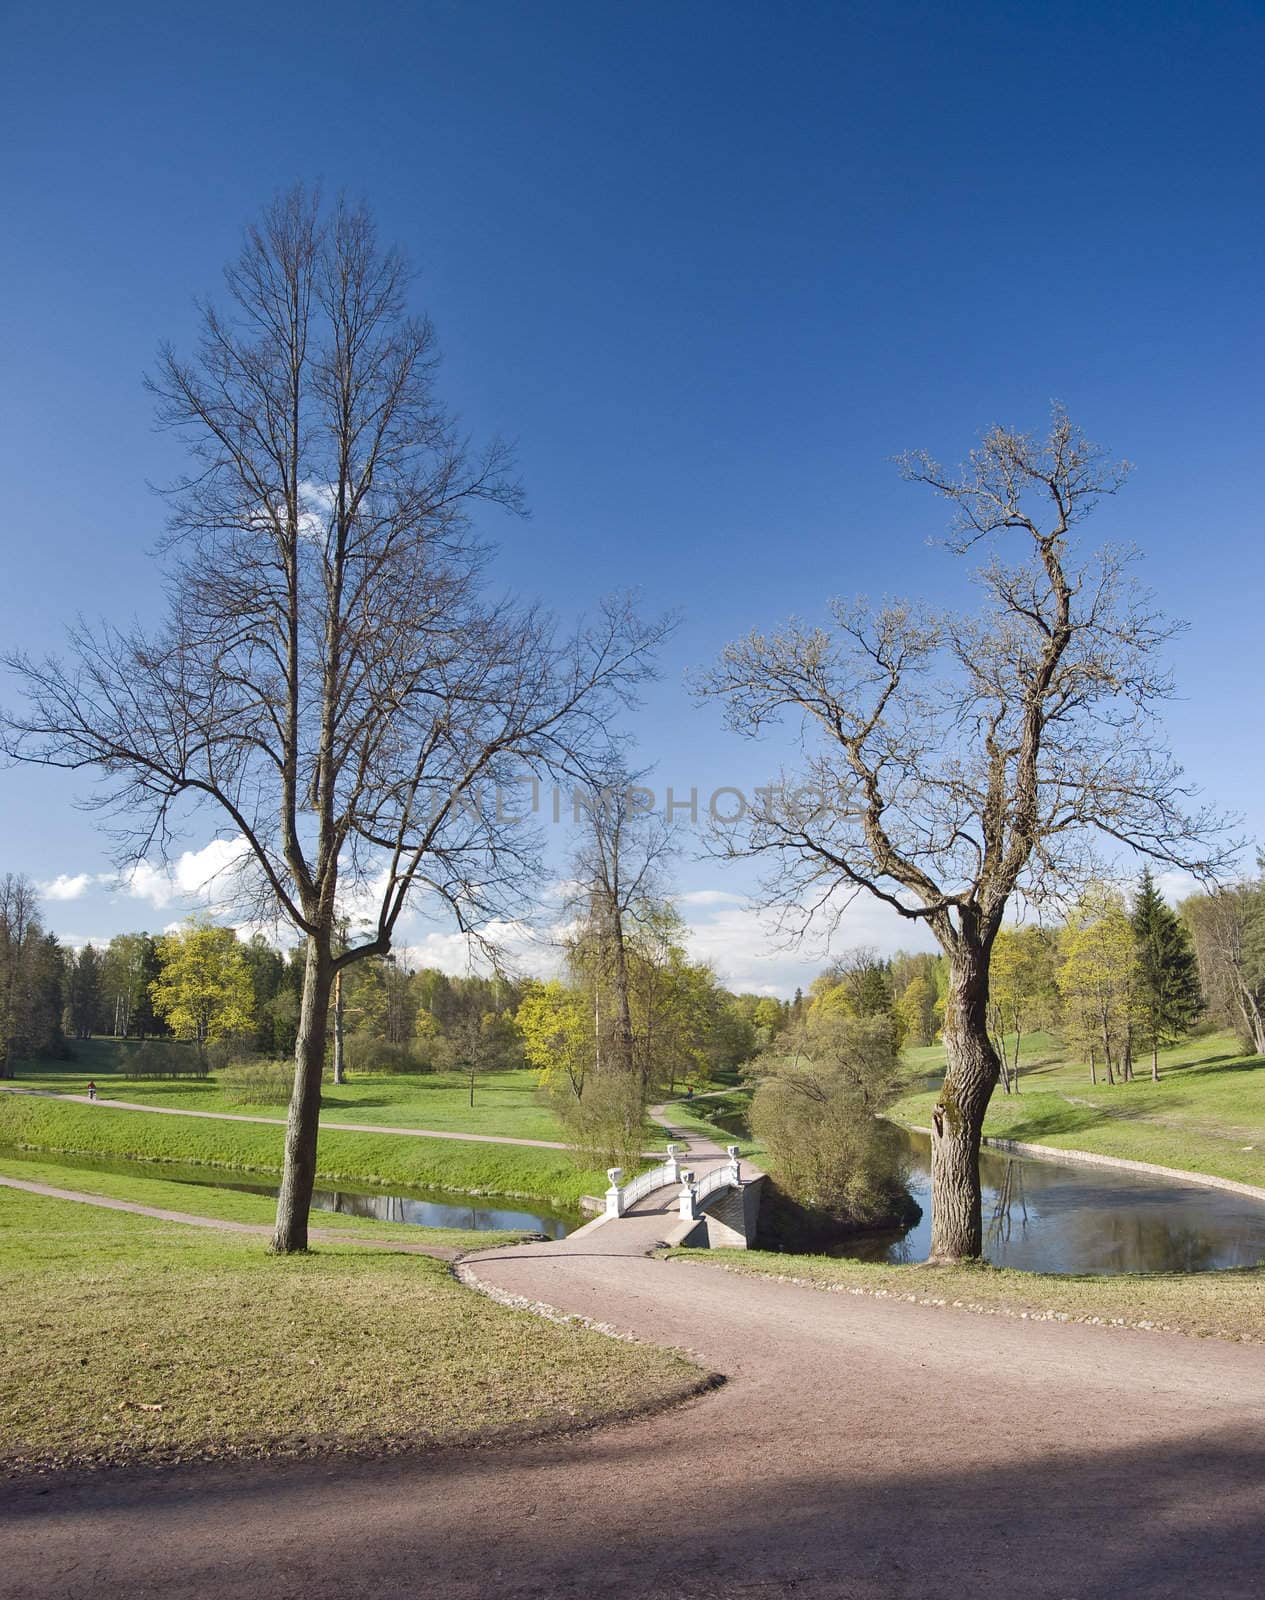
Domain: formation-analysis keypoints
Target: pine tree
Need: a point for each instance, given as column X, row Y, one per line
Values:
column 1169, row 996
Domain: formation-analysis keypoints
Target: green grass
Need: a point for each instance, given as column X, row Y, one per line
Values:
column 505, row 1103
column 709, row 1114
column 1219, row 1305
column 1207, row 1113
column 364, row 1159
column 127, row 1339
column 146, row 1186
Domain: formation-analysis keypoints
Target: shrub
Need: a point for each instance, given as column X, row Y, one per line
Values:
column 232, row 1049
column 815, row 1113
column 605, row 1127
column 256, row 1082
column 363, row 1053
column 166, row 1058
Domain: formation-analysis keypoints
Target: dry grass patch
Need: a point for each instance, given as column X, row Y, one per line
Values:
column 129, row 1339
column 1212, row 1305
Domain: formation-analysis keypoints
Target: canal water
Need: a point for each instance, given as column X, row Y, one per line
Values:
column 427, row 1208
column 1039, row 1215
column 1060, row 1216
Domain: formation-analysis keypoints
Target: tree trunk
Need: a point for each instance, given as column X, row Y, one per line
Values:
column 294, row 1202
column 624, row 1030
column 957, row 1232
column 338, row 1026
column 1093, row 1067
column 1155, row 1061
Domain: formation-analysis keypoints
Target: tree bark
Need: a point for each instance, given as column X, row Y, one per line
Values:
column 303, row 1122
column 338, row 1027
column 957, row 1232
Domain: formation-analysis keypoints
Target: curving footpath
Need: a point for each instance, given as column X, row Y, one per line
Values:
column 277, row 1122
column 859, row 1448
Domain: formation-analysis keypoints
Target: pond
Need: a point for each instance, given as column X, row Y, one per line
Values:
column 1059, row 1216
column 425, row 1208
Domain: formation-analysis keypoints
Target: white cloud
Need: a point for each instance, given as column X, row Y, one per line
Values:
column 526, row 949
column 209, row 876
column 750, row 955
column 67, row 886
column 710, row 897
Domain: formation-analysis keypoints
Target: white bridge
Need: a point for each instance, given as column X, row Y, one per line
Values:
column 716, row 1200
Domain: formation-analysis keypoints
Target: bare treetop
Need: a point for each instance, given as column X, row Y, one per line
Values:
column 951, row 761
column 334, row 672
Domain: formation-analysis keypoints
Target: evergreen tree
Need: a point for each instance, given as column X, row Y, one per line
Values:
column 84, row 991
column 1169, row 996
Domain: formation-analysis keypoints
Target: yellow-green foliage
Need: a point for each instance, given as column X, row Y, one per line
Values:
column 203, row 989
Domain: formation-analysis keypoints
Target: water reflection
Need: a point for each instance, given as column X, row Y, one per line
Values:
column 426, row 1208
column 433, row 1213
column 1047, row 1216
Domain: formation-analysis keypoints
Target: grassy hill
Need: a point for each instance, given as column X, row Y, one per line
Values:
column 1207, row 1113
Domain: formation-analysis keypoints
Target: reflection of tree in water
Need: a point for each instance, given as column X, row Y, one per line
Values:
column 1008, row 1198
column 1132, row 1241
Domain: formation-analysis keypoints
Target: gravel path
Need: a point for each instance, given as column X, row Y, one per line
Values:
column 859, row 1448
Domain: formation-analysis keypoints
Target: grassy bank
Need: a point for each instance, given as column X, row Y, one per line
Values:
column 380, row 1160
column 127, row 1339
column 719, row 1115
column 505, row 1103
column 1207, row 1113
column 1216, row 1305
column 147, row 1187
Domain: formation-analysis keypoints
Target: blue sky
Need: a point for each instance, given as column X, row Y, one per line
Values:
column 711, row 265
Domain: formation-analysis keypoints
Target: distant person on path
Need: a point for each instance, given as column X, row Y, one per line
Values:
column 92, row 1090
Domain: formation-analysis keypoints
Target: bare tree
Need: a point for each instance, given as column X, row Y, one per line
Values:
column 19, row 924
column 333, row 675
column 954, row 762
column 618, row 866
column 1228, row 927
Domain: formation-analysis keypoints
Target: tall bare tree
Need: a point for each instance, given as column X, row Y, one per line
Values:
column 953, row 762
column 333, row 676
column 622, row 850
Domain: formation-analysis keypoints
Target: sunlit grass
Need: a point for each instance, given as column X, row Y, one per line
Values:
column 128, row 1339
column 354, row 1159
column 1206, row 1114
column 1220, row 1305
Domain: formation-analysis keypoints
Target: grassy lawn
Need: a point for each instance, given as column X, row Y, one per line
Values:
column 147, row 1187
column 1217, row 1305
column 361, row 1159
column 1207, row 1113
column 505, row 1103
column 720, row 1116
column 128, row 1339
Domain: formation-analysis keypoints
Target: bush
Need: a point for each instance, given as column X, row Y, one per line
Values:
column 256, row 1082
column 166, row 1058
column 830, row 1155
column 815, row 1113
column 606, row 1127
column 363, row 1053
column 228, row 1051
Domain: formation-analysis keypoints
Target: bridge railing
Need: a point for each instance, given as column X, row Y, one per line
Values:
column 621, row 1195
column 693, row 1192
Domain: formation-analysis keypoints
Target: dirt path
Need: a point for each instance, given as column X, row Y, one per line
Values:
column 442, row 1252
column 860, row 1448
